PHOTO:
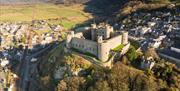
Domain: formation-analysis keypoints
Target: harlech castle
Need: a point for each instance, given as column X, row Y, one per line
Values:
column 99, row 40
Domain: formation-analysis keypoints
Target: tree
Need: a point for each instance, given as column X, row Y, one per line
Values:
column 71, row 84
column 62, row 86
column 131, row 54
column 100, row 85
column 124, row 60
column 151, row 53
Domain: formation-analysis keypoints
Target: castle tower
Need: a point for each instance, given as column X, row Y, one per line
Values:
column 99, row 39
column 108, row 30
column 93, row 31
column 103, row 52
column 70, row 35
column 93, row 26
column 125, row 38
column 93, row 34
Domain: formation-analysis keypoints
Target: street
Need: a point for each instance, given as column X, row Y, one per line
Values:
column 26, row 65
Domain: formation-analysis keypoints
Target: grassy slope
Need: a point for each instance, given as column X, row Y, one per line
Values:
column 69, row 15
column 54, row 59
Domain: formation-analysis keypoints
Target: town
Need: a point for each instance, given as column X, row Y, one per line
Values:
column 15, row 37
column 159, row 30
column 142, row 49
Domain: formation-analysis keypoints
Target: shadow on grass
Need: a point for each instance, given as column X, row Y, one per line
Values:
column 102, row 11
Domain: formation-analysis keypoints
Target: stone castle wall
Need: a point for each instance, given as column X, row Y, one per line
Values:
column 97, row 46
column 105, row 47
column 104, row 32
column 114, row 42
column 84, row 45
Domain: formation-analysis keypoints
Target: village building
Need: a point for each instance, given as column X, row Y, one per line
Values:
column 172, row 53
column 147, row 63
column 98, row 40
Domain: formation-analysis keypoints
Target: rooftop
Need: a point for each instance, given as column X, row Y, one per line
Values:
column 171, row 53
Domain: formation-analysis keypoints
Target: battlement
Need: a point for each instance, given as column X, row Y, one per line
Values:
column 103, row 30
column 103, row 40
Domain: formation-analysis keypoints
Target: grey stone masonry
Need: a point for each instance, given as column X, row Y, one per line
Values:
column 103, row 40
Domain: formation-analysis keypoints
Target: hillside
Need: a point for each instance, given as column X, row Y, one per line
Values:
column 57, row 65
column 62, row 70
column 73, row 12
column 90, row 77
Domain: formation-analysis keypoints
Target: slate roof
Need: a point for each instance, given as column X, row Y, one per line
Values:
column 171, row 53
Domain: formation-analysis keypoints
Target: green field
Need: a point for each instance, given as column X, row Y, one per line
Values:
column 70, row 15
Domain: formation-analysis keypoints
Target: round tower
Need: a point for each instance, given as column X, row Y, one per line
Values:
column 93, row 31
column 109, row 30
column 125, row 38
column 93, row 26
column 103, row 52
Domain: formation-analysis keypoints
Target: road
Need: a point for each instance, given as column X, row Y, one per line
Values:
column 25, row 68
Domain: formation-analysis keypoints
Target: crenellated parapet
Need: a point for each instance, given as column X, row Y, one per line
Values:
column 103, row 40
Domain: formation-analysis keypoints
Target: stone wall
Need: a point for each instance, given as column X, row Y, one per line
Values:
column 84, row 45
column 125, row 49
column 105, row 32
column 105, row 47
column 101, row 47
column 78, row 35
column 114, row 42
